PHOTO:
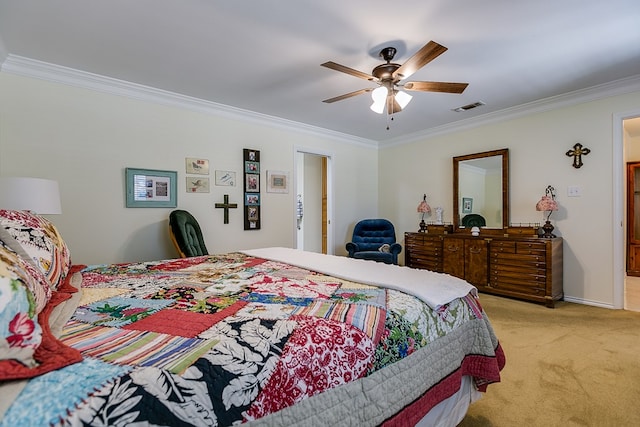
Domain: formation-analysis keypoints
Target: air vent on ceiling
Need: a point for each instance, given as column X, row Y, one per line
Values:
column 468, row 107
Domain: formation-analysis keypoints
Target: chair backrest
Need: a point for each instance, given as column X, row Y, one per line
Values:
column 370, row 234
column 473, row 220
column 186, row 234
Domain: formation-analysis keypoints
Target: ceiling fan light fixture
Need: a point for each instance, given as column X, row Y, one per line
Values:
column 403, row 98
column 379, row 96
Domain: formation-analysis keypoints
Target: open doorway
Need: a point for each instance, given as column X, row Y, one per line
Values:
column 626, row 137
column 313, row 186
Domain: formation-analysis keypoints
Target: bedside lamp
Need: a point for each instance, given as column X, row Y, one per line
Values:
column 40, row 196
column 423, row 208
column 548, row 203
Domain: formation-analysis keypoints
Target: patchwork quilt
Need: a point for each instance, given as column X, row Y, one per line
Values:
column 234, row 338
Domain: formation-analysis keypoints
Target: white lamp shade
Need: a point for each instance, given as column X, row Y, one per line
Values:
column 403, row 98
column 41, row 196
column 379, row 96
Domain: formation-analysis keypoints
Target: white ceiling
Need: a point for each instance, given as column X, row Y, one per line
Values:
column 264, row 56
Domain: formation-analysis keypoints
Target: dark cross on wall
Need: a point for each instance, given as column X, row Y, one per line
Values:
column 226, row 206
column 577, row 154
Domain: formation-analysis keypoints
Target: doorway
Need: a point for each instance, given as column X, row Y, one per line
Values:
column 626, row 147
column 633, row 218
column 313, row 187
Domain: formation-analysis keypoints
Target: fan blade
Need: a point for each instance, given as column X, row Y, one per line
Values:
column 347, row 95
column 347, row 70
column 436, row 87
column 428, row 53
column 392, row 105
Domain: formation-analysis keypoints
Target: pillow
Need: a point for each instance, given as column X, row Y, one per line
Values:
column 20, row 332
column 41, row 240
column 27, row 345
column 40, row 286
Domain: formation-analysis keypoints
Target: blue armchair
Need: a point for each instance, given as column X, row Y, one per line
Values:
column 374, row 239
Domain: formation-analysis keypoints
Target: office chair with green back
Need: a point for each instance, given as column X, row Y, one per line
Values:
column 186, row 234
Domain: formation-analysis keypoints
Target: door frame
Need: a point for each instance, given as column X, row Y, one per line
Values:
column 618, row 192
column 329, row 183
column 632, row 242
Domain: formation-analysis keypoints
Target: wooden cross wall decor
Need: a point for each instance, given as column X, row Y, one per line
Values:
column 577, row 153
column 226, row 206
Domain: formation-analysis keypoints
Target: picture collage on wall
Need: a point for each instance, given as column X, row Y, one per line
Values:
column 196, row 166
column 251, row 189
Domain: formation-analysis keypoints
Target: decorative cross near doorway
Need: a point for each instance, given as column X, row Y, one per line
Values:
column 577, row 154
column 226, row 206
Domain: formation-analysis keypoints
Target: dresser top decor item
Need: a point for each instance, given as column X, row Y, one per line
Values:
column 423, row 208
column 548, row 204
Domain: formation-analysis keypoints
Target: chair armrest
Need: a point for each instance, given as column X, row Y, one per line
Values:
column 395, row 249
column 352, row 248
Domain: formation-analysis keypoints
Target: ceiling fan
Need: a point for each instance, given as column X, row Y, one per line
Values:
column 389, row 78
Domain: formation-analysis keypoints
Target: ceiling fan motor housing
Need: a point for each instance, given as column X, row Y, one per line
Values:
column 385, row 71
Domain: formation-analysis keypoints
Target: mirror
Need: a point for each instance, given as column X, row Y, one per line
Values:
column 481, row 190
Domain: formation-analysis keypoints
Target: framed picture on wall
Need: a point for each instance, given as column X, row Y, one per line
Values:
column 467, row 204
column 197, row 185
column 252, row 167
column 150, row 188
column 251, row 172
column 252, row 183
column 277, row 182
column 252, row 199
column 226, row 178
column 197, row 166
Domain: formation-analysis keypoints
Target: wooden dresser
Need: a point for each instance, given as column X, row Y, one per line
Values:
column 525, row 267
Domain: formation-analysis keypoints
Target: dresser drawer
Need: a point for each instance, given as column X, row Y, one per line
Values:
column 521, row 288
column 524, row 261
column 532, row 277
column 426, row 263
column 502, row 246
column 423, row 251
column 531, row 248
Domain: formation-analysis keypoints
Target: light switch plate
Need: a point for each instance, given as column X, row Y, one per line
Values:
column 574, row 191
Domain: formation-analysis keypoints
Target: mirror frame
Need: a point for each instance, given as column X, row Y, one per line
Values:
column 505, row 187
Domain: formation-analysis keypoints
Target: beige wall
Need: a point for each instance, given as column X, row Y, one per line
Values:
column 537, row 144
column 85, row 139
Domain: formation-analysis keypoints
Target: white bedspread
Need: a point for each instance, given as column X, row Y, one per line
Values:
column 435, row 289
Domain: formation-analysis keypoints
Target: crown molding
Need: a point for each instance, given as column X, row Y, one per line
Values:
column 614, row 88
column 27, row 67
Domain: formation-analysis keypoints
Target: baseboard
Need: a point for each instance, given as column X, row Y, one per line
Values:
column 588, row 302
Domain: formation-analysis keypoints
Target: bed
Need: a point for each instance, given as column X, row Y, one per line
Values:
column 263, row 337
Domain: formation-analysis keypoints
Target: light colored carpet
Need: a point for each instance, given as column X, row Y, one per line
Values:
column 574, row 365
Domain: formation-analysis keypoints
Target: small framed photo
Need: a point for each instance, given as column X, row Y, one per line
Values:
column 226, row 178
column 150, row 188
column 277, row 182
column 467, row 204
column 197, row 166
column 252, row 167
column 252, row 183
column 252, row 199
column 197, row 185
column 253, row 213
